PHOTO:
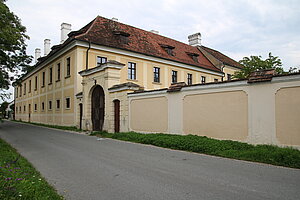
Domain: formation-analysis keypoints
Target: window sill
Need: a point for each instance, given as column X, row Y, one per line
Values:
column 57, row 80
column 134, row 80
column 67, row 76
column 157, row 83
column 68, row 108
column 50, row 83
column 42, row 86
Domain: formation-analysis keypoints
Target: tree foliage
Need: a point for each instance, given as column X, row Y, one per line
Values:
column 13, row 56
column 256, row 63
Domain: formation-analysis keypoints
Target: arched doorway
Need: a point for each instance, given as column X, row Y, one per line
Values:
column 117, row 115
column 98, row 108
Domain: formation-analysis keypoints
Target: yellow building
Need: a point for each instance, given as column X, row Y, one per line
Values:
column 84, row 81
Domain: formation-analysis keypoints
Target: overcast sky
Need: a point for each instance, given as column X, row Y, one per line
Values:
column 236, row 28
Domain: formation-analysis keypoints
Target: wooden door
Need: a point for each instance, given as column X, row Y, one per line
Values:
column 98, row 108
column 117, row 115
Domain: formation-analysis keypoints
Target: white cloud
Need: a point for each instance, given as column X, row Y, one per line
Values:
column 236, row 28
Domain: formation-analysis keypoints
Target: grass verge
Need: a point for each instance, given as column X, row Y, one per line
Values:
column 19, row 179
column 67, row 128
column 270, row 154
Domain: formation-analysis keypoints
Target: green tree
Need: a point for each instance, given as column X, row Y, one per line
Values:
column 3, row 107
column 256, row 63
column 13, row 56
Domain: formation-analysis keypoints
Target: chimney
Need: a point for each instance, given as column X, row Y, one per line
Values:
column 37, row 54
column 115, row 19
column 65, row 30
column 195, row 39
column 154, row 31
column 46, row 46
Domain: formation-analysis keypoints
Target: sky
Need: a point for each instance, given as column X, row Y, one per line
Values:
column 237, row 28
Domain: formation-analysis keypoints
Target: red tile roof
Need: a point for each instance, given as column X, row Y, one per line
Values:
column 223, row 58
column 107, row 32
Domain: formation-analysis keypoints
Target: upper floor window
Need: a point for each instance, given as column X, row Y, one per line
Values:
column 35, row 107
column 24, row 88
column 169, row 49
column 29, row 86
column 20, row 91
column 174, row 76
column 68, row 67
column 50, row 75
column 131, row 70
column 17, row 91
column 101, row 60
column 35, row 84
column 58, row 72
column 203, row 79
column 194, row 56
column 229, row 77
column 43, row 106
column 24, row 108
column 122, row 36
column 43, row 79
column 189, row 79
column 216, row 80
column 156, row 73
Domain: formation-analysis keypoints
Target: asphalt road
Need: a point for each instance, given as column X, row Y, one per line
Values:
column 81, row 167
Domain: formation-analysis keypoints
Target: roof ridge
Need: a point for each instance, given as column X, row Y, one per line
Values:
column 145, row 30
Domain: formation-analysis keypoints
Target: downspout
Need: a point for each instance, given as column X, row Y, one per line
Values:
column 87, row 56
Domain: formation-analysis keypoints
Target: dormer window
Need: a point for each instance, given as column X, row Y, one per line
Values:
column 194, row 56
column 168, row 49
column 123, row 36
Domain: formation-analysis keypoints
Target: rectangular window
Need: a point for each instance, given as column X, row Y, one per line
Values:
column 24, row 108
column 43, row 106
column 156, row 73
column 131, row 70
column 20, row 109
column 17, row 91
column 57, row 104
column 50, row 75
column 228, row 77
column 50, row 105
column 189, row 79
column 68, row 67
column 35, row 107
column 43, row 79
column 20, row 93
column 68, row 103
column 174, row 76
column 24, row 88
column 216, row 80
column 35, row 84
column 16, row 109
column 101, row 60
column 58, row 72
column 203, row 79
column 29, row 86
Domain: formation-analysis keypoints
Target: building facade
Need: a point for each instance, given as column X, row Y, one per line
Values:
column 84, row 81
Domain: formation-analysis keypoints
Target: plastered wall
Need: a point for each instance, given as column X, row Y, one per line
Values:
column 260, row 113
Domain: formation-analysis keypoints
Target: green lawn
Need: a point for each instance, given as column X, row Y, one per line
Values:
column 67, row 128
column 19, row 179
column 274, row 155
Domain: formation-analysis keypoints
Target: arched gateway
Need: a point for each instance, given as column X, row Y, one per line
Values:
column 98, row 108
